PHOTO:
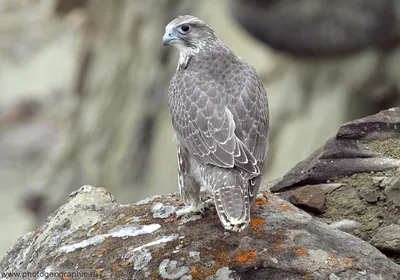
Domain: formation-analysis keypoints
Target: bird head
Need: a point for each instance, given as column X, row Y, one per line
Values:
column 188, row 34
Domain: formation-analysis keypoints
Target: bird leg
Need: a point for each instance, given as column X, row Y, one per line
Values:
column 190, row 191
column 191, row 209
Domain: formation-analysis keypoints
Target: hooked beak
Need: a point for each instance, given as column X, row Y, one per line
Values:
column 169, row 37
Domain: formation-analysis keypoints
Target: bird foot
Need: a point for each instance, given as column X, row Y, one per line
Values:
column 191, row 209
column 208, row 203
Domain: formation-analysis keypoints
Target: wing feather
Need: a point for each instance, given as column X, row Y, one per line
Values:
column 205, row 126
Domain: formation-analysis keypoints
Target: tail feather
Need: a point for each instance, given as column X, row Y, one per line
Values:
column 231, row 197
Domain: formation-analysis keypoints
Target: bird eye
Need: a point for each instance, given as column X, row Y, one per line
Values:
column 185, row 28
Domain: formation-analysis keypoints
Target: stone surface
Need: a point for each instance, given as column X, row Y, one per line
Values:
column 343, row 155
column 381, row 126
column 346, row 225
column 370, row 196
column 92, row 232
column 388, row 238
column 392, row 192
column 309, row 198
column 348, row 168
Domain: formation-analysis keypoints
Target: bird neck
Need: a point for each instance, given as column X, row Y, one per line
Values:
column 187, row 53
column 184, row 58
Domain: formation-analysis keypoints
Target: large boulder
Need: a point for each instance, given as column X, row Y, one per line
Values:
column 358, row 171
column 94, row 234
column 370, row 144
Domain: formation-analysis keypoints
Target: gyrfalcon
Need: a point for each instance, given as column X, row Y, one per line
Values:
column 219, row 111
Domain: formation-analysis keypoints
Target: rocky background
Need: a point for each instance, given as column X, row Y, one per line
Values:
column 82, row 100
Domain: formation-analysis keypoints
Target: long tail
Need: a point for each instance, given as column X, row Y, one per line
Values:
column 231, row 197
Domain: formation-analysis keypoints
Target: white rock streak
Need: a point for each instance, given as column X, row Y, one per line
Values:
column 121, row 233
column 165, row 239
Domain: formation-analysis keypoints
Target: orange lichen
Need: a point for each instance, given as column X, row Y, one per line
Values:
column 99, row 271
column 115, row 267
column 349, row 262
column 245, row 257
column 65, row 277
column 170, row 219
column 254, row 223
column 284, row 206
column 261, row 202
column 279, row 246
column 104, row 251
column 332, row 258
column 301, row 251
column 194, row 271
column 257, row 222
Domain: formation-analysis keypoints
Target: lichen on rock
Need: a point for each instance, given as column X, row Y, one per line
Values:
column 130, row 243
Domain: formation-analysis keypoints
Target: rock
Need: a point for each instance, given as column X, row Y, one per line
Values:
column 358, row 201
column 92, row 232
column 382, row 182
column 359, row 168
column 392, row 192
column 381, row 126
column 370, row 196
column 319, row 28
column 309, row 198
column 329, row 187
column 388, row 238
column 343, row 155
column 346, row 225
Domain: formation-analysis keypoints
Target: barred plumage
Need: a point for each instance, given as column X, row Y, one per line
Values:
column 219, row 112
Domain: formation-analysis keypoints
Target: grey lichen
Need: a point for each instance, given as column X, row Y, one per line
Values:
column 194, row 255
column 171, row 269
column 141, row 259
column 190, row 219
column 161, row 211
column 362, row 273
column 333, row 276
column 147, row 200
column 221, row 274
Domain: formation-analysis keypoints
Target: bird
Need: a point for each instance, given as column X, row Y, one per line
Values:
column 220, row 116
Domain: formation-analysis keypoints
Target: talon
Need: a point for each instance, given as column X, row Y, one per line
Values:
column 190, row 209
